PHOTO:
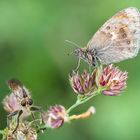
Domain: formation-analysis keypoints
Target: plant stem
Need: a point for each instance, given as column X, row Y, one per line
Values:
column 1, row 132
column 83, row 100
column 34, row 121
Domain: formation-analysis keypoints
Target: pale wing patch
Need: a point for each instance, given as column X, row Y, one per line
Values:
column 121, row 53
column 118, row 39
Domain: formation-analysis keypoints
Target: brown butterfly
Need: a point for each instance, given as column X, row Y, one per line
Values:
column 118, row 39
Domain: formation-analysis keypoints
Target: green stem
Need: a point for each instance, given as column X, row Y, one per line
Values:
column 41, row 128
column 1, row 132
column 34, row 121
column 83, row 100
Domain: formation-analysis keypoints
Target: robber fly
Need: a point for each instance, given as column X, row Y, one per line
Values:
column 24, row 98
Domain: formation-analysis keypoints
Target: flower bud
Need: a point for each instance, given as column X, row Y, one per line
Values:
column 11, row 104
column 55, row 117
column 23, row 132
column 114, row 80
column 84, row 83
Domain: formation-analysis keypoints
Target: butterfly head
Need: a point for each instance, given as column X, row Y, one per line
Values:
column 87, row 55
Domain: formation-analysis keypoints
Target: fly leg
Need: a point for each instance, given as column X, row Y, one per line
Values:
column 14, row 116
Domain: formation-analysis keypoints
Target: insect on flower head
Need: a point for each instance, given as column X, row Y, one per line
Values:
column 21, row 92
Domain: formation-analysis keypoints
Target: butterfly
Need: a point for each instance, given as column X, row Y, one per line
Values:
column 117, row 40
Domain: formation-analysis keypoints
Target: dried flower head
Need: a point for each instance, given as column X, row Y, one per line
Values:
column 84, row 83
column 114, row 80
column 11, row 104
column 55, row 116
column 23, row 132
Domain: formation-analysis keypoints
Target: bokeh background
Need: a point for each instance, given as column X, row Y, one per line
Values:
column 33, row 49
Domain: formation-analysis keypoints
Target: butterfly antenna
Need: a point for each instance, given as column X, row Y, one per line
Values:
column 70, row 42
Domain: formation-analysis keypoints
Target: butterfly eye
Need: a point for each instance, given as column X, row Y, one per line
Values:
column 78, row 52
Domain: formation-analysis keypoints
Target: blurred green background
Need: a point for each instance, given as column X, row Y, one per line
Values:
column 33, row 49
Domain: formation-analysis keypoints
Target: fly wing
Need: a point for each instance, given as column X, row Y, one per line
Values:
column 18, row 89
column 119, row 38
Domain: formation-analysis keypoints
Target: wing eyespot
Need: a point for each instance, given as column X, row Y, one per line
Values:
column 122, row 30
column 124, row 35
column 128, row 42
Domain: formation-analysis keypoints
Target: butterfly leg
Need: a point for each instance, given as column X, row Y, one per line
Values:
column 78, row 65
column 95, row 62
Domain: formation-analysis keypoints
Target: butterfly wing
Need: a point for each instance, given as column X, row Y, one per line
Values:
column 119, row 38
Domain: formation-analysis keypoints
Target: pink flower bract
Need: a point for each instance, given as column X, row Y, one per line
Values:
column 83, row 84
column 11, row 104
column 114, row 80
column 55, row 116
